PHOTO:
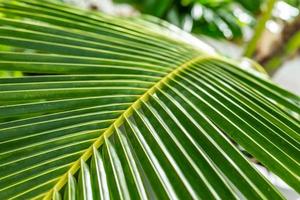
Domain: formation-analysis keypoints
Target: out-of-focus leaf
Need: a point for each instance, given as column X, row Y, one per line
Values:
column 205, row 2
column 217, row 23
column 152, row 7
column 295, row 3
column 232, row 22
column 251, row 5
column 217, row 18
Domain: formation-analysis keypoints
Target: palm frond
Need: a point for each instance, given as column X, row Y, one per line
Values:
column 129, row 109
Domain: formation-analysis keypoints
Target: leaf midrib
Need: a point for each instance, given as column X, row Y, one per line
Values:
column 119, row 121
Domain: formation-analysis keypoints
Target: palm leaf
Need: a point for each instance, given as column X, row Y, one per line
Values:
column 132, row 109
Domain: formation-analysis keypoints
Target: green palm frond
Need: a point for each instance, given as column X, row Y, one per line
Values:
column 129, row 109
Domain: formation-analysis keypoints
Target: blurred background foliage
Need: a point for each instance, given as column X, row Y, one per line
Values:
column 215, row 18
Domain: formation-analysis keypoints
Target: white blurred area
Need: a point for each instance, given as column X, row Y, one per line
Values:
column 288, row 76
column 106, row 6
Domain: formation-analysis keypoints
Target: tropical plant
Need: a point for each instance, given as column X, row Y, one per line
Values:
column 133, row 109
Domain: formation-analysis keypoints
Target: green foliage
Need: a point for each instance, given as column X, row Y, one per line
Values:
column 251, row 5
column 133, row 109
column 295, row 3
column 215, row 18
column 156, row 8
column 217, row 22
